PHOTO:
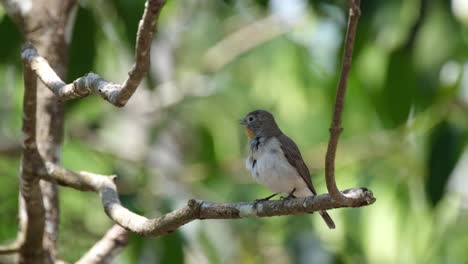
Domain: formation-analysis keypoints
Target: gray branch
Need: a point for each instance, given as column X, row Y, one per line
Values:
column 32, row 222
column 107, row 248
column 195, row 209
column 116, row 94
column 42, row 126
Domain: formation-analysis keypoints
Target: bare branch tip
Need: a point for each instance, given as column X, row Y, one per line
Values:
column 369, row 196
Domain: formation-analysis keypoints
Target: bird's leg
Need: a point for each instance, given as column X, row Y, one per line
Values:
column 266, row 198
column 290, row 195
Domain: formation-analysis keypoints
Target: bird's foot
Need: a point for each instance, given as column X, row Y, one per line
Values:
column 287, row 197
column 290, row 195
column 266, row 198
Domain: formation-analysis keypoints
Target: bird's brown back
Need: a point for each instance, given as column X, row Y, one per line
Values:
column 294, row 157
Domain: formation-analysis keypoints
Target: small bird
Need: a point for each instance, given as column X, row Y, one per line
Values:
column 275, row 160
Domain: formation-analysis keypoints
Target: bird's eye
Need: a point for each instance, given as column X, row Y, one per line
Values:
column 250, row 119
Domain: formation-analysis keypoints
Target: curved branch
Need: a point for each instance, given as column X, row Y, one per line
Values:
column 146, row 30
column 195, row 209
column 116, row 94
column 336, row 129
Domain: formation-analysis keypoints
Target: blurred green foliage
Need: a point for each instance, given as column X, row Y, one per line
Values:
column 405, row 120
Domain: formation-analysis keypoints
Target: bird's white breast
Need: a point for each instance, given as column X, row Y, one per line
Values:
column 273, row 170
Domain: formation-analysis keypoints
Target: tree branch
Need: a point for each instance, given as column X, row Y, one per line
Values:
column 46, row 31
column 32, row 225
column 336, row 129
column 146, row 30
column 107, row 248
column 116, row 94
column 195, row 209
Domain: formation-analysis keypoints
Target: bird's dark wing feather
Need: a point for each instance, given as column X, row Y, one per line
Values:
column 293, row 155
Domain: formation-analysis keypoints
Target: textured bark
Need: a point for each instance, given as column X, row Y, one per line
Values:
column 33, row 214
column 49, row 38
column 43, row 22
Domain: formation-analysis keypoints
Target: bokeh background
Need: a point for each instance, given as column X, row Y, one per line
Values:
column 405, row 120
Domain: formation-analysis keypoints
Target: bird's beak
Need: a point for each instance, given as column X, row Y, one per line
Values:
column 242, row 121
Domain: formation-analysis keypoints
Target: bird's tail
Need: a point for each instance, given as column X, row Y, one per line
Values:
column 326, row 217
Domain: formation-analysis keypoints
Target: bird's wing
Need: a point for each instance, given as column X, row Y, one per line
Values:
column 294, row 157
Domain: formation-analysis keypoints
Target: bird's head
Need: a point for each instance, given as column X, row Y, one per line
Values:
column 259, row 123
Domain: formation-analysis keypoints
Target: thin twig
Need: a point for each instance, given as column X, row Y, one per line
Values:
column 336, row 129
column 195, row 209
column 107, row 248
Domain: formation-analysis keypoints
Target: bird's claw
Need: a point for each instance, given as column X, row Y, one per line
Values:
column 289, row 197
column 266, row 198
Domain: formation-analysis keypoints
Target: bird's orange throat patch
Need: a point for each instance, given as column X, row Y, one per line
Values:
column 250, row 133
